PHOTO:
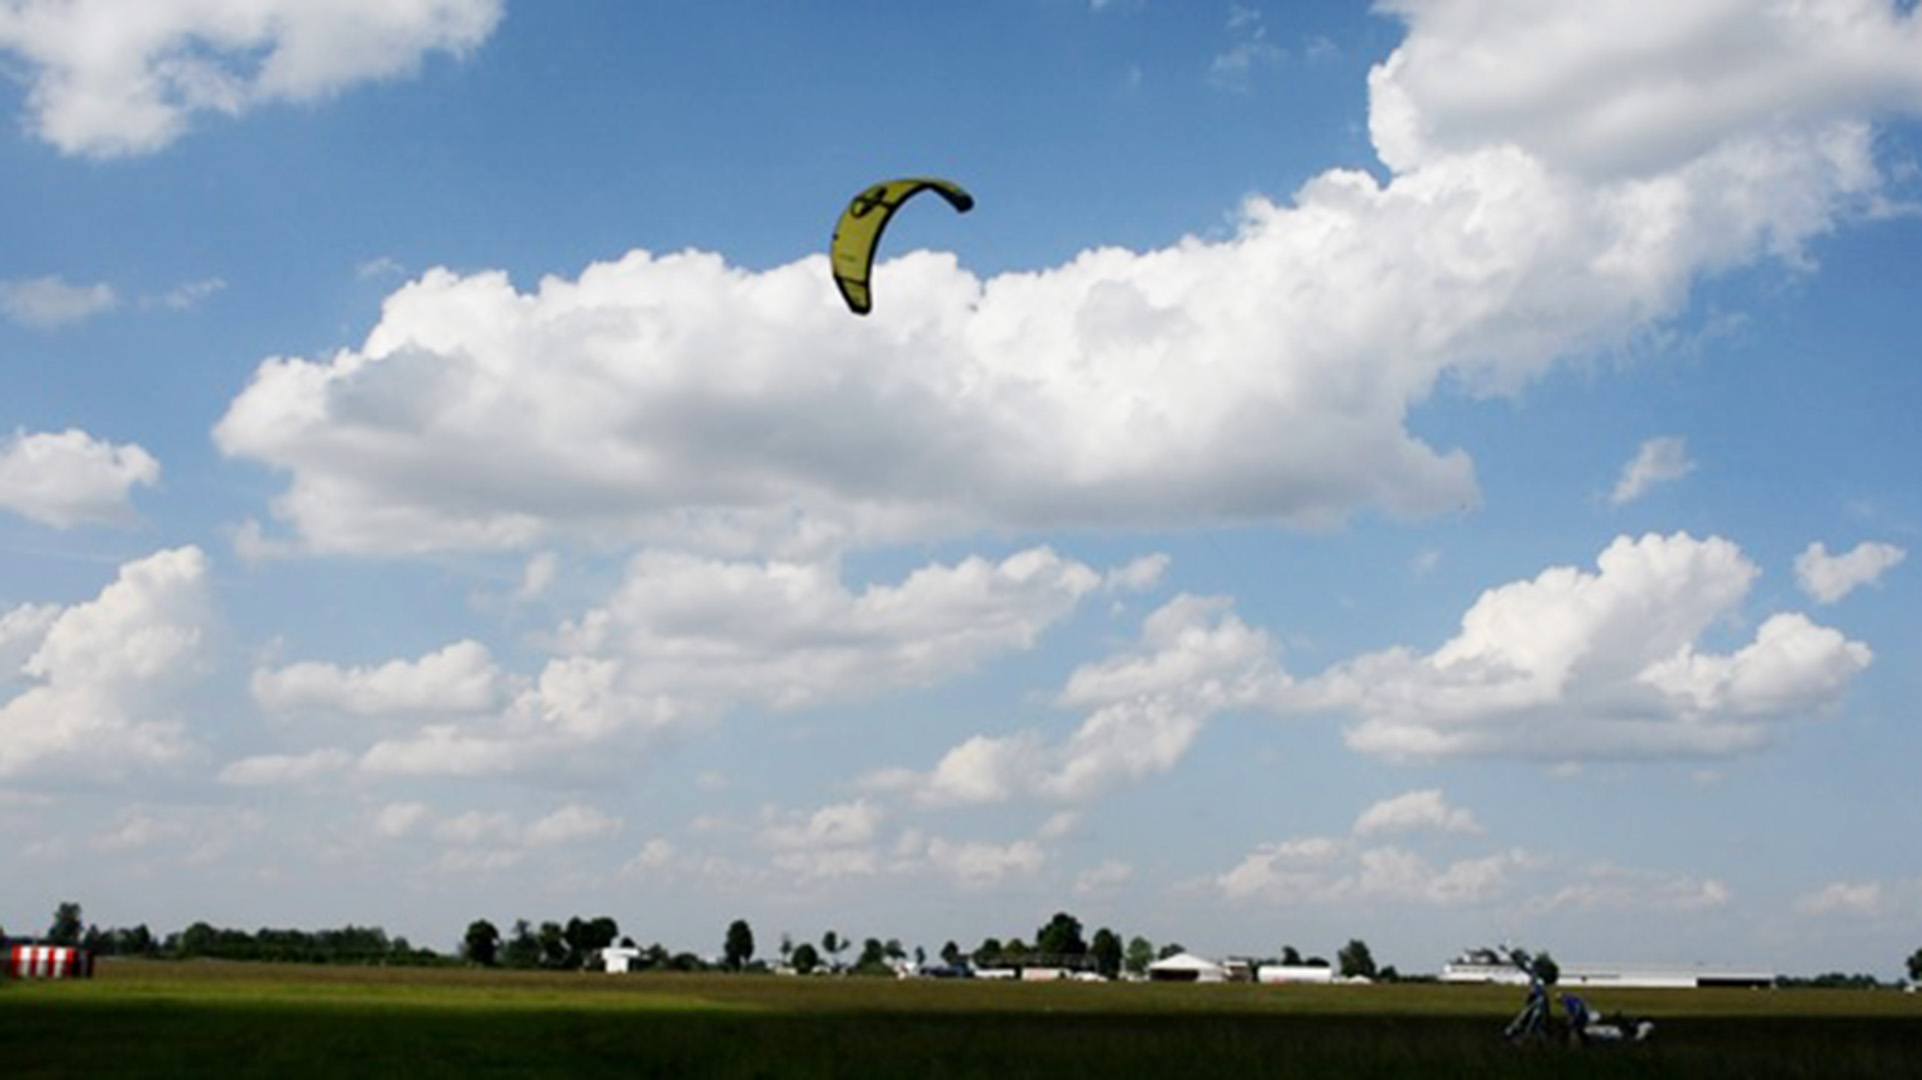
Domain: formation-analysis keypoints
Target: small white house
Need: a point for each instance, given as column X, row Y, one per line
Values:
column 1187, row 967
column 619, row 959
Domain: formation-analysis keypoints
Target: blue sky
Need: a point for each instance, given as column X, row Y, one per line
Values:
column 1433, row 474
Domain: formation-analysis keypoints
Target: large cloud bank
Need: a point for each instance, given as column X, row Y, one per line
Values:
column 1264, row 377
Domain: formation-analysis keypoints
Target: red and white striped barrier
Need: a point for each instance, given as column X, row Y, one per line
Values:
column 49, row 962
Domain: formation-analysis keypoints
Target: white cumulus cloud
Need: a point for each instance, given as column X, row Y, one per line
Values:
column 1607, row 887
column 1828, row 578
column 1146, row 707
column 839, row 826
column 1605, row 664
column 1850, row 899
column 103, row 682
column 108, row 78
column 1343, row 872
column 1416, row 811
column 277, row 770
column 47, row 303
column 570, row 824
column 791, row 634
column 1636, row 88
column 69, row 478
column 1659, row 461
column 461, row 678
column 682, row 641
column 981, row 865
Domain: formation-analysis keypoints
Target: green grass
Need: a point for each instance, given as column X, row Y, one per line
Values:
column 212, row 1019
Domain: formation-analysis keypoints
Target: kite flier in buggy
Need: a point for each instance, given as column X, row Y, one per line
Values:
column 1535, row 1024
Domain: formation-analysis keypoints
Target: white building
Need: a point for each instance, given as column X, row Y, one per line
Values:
column 1661, row 976
column 1187, row 967
column 619, row 959
column 1488, row 966
column 1483, row 966
column 1295, row 973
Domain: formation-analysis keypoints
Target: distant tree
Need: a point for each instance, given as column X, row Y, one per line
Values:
column 67, row 925
column 739, row 946
column 119, row 941
column 200, row 939
column 1356, row 961
column 587, row 937
column 1388, row 974
column 553, row 939
column 873, row 959
column 482, row 945
column 951, row 954
column 804, row 958
column 1833, row 980
column 988, row 954
column 1107, row 953
column 1290, row 956
column 1141, row 953
column 1173, row 948
column 787, row 947
column 893, row 949
column 920, row 957
column 523, row 949
column 1060, row 937
column 834, row 945
column 1915, row 966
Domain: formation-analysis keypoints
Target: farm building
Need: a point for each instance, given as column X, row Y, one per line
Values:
column 1187, row 967
column 1485, row 966
column 1662, row 977
column 1295, row 973
column 48, row 962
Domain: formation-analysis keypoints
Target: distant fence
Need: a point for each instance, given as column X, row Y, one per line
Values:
column 49, row 962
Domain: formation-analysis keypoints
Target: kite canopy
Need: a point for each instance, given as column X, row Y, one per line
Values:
column 859, row 231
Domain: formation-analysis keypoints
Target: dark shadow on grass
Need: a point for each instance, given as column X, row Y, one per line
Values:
column 68, row 1036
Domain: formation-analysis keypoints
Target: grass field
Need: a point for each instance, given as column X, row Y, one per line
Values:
column 152, row 1019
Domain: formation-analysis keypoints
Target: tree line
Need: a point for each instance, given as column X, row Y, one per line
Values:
column 577, row 944
column 346, row 945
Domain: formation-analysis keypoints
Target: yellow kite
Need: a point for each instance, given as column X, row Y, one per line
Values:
column 859, row 232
